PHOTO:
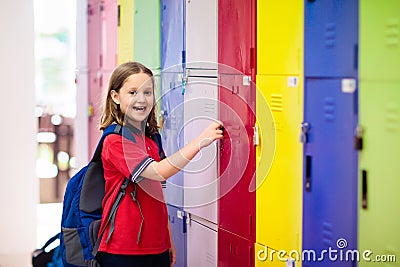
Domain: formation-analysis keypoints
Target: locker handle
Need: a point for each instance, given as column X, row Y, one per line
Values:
column 119, row 16
column 364, row 189
column 308, row 173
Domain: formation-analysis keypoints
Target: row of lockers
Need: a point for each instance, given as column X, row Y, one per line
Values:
column 308, row 92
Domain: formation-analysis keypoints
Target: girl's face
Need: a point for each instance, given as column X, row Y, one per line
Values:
column 135, row 98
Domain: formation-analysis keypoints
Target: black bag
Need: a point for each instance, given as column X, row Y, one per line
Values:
column 41, row 257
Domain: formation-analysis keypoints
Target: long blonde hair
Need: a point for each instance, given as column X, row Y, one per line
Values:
column 111, row 111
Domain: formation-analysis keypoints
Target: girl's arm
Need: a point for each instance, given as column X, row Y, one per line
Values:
column 167, row 167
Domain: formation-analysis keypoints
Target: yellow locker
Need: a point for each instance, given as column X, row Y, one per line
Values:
column 279, row 192
column 280, row 37
column 125, row 30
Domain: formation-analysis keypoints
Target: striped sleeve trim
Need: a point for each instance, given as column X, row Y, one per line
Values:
column 140, row 168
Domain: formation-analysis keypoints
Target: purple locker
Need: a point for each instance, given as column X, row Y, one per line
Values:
column 201, row 34
column 201, row 175
column 109, row 35
column 202, row 243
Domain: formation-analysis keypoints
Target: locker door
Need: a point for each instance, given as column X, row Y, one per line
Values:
column 125, row 31
column 237, row 155
column 330, row 168
column 236, row 35
column 172, row 131
column 234, row 250
column 109, row 27
column 202, row 244
column 200, row 175
column 94, row 35
column 94, row 61
column 379, row 39
column 172, row 31
column 147, row 35
column 177, row 221
column 201, row 34
column 379, row 170
column 279, row 195
column 280, row 37
column 331, row 38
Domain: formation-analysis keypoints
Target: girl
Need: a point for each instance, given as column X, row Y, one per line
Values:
column 141, row 235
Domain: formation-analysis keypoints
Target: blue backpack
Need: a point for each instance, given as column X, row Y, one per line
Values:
column 82, row 207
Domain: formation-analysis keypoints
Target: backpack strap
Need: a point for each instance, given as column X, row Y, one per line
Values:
column 157, row 138
column 51, row 240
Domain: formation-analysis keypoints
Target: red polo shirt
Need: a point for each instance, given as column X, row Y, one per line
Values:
column 123, row 158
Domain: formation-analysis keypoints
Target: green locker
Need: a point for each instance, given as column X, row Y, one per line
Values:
column 379, row 130
column 379, row 182
column 379, row 39
column 147, row 34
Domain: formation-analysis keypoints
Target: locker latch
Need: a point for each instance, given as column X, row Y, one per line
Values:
column 358, row 139
column 305, row 129
column 256, row 136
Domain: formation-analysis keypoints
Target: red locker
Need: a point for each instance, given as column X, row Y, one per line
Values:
column 237, row 36
column 237, row 155
column 234, row 250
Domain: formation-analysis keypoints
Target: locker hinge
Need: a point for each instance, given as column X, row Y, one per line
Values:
column 305, row 129
column 256, row 136
column 358, row 138
column 184, row 81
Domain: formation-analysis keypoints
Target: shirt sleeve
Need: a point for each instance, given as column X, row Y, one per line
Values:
column 127, row 157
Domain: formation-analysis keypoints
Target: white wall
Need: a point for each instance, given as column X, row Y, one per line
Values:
column 19, row 191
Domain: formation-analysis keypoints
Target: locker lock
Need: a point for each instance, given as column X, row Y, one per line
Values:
column 305, row 129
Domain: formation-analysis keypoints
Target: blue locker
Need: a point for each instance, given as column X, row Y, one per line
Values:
column 172, row 131
column 331, row 38
column 177, row 220
column 172, row 35
column 330, row 170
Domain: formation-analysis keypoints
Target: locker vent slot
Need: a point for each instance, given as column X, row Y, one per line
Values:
column 392, row 32
column 330, row 35
column 329, row 109
column 392, row 117
column 277, row 102
column 327, row 235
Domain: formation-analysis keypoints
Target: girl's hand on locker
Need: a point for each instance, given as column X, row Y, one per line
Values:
column 213, row 132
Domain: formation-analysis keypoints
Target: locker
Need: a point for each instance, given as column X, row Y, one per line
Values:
column 202, row 243
column 280, row 26
column 95, row 104
column 234, row 250
column 172, row 131
column 94, row 35
column 147, row 34
column 379, row 170
column 331, row 38
column 236, row 36
column 201, row 174
column 172, row 35
column 125, row 30
column 109, row 35
column 330, row 168
column 237, row 155
column 379, row 39
column 177, row 220
column 201, row 34
column 279, row 193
